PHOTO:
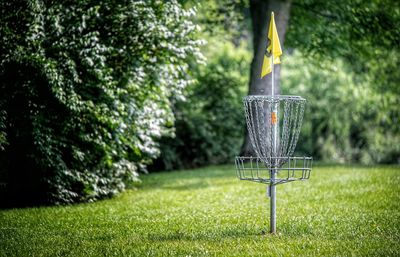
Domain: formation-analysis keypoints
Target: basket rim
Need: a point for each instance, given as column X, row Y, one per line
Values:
column 249, row 169
column 273, row 97
column 277, row 157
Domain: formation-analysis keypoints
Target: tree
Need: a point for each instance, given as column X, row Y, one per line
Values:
column 260, row 12
column 86, row 90
column 363, row 33
column 209, row 123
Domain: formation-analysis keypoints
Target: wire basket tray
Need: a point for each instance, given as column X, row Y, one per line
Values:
column 254, row 169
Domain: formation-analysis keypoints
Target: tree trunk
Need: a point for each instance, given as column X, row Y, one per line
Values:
column 260, row 11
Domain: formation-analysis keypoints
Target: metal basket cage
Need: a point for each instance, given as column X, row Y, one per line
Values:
column 274, row 124
column 254, row 169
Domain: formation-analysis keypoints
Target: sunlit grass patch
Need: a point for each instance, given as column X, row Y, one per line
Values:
column 341, row 210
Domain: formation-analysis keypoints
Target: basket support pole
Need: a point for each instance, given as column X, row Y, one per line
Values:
column 272, row 191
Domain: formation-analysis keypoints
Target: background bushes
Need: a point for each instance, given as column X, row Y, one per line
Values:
column 209, row 125
column 346, row 120
column 86, row 89
column 92, row 92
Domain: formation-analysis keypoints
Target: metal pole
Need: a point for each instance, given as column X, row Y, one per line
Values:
column 274, row 124
column 273, row 204
column 272, row 188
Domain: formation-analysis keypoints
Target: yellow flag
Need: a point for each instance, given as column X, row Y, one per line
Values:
column 273, row 50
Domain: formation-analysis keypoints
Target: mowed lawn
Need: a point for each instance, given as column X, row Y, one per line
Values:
column 340, row 211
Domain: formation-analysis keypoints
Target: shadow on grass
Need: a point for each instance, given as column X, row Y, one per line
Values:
column 188, row 179
column 205, row 177
column 289, row 230
column 187, row 186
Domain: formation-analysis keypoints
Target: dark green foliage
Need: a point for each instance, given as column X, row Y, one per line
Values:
column 210, row 124
column 86, row 89
column 365, row 33
column 365, row 36
column 222, row 18
column 347, row 74
column 344, row 121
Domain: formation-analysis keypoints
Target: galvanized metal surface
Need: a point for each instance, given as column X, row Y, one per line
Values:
column 254, row 169
column 271, row 140
column 274, row 124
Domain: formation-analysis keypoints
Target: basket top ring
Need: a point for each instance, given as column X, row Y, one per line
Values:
column 273, row 97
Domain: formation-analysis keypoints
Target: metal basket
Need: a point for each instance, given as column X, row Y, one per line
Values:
column 268, row 117
column 274, row 124
column 254, row 169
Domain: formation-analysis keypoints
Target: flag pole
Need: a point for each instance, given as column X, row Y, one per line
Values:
column 274, row 127
column 272, row 57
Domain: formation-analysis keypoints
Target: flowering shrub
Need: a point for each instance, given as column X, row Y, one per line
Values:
column 86, row 89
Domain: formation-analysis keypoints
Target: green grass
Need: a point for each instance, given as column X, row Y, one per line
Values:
column 341, row 211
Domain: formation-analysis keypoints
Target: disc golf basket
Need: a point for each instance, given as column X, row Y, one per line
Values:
column 273, row 123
